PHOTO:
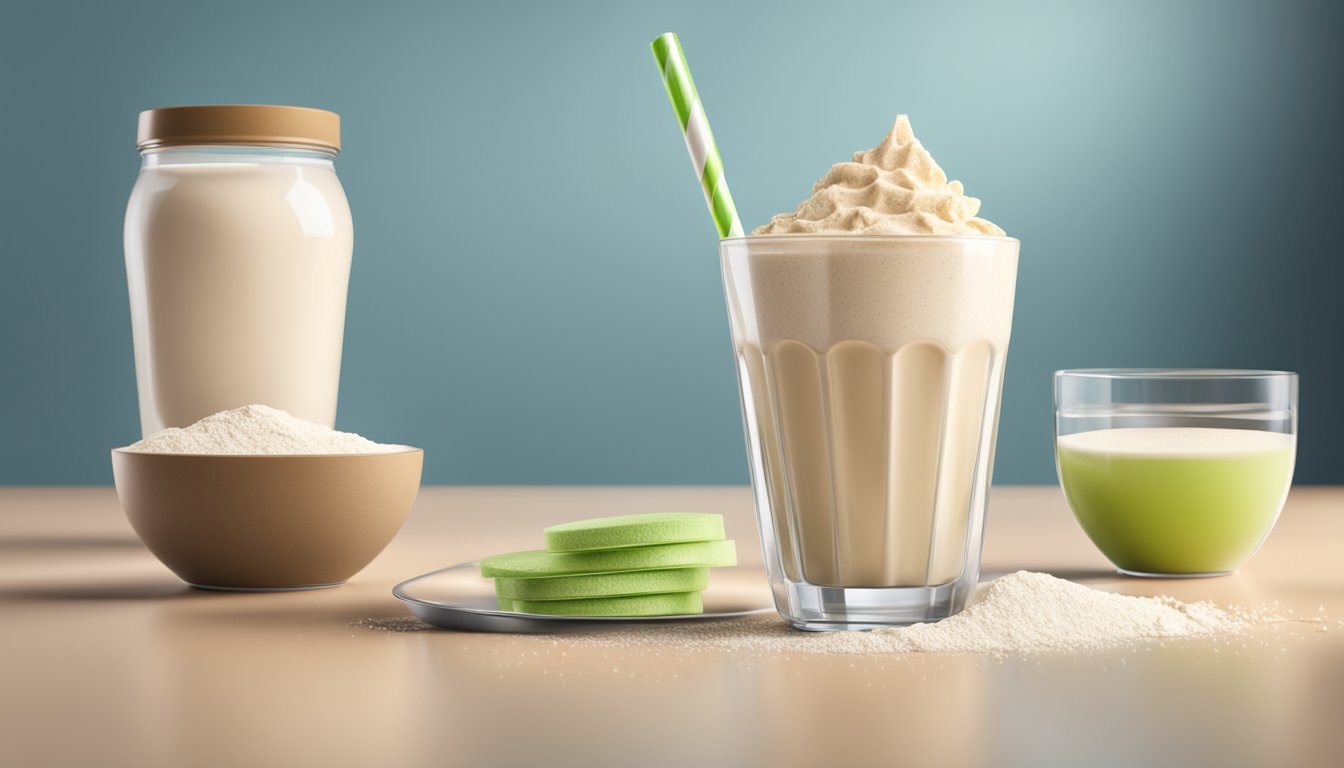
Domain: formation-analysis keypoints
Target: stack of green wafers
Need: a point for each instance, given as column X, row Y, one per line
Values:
column 631, row 565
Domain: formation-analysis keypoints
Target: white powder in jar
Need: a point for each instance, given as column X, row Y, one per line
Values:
column 256, row 430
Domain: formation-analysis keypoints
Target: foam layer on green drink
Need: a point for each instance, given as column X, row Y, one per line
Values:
column 536, row 563
column 1177, row 442
column 603, row 584
column 633, row 531
column 1176, row 499
column 665, row 604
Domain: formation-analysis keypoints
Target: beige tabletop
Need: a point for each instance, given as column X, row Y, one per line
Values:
column 106, row 659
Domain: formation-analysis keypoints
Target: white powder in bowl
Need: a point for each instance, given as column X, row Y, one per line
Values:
column 256, row 430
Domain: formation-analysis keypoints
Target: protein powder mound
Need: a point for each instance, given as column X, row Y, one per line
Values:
column 256, row 430
column 1021, row 613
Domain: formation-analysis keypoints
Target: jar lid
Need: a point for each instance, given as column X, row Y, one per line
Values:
column 240, row 124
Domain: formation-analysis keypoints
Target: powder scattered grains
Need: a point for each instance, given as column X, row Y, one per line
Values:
column 1021, row 613
column 1026, row 612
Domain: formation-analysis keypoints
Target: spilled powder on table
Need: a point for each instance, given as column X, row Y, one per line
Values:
column 397, row 624
column 1021, row 613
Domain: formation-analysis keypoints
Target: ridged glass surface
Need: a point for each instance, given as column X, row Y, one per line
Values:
column 870, row 458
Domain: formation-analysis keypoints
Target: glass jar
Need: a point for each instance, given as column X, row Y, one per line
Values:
column 238, row 242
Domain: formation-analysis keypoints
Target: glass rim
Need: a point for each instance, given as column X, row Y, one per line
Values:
column 844, row 237
column 239, row 150
column 1171, row 374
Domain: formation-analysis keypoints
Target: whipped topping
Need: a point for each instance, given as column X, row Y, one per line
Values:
column 895, row 188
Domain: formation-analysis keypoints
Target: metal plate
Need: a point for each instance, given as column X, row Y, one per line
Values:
column 457, row 597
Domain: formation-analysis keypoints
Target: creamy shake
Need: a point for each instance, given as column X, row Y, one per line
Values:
column 871, row 327
column 874, row 371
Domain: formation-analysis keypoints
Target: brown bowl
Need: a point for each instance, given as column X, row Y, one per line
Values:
column 266, row 522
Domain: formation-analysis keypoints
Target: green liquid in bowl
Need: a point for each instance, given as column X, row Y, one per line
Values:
column 1176, row 500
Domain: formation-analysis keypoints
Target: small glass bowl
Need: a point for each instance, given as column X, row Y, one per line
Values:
column 1176, row 472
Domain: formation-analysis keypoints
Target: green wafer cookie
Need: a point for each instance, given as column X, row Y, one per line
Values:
column 666, row 604
column 633, row 531
column 603, row 584
column 532, row 564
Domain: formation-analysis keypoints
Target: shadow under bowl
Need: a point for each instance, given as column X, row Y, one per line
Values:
column 262, row 523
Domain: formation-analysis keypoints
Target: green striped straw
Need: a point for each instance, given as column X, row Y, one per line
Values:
column 695, row 127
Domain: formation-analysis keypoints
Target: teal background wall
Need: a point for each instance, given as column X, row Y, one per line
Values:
column 536, row 298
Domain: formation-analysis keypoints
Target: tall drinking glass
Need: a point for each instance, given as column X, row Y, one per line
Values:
column 870, row 369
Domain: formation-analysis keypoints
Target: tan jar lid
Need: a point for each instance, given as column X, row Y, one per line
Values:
column 257, row 125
